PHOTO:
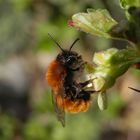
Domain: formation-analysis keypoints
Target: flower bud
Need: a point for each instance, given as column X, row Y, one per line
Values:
column 102, row 101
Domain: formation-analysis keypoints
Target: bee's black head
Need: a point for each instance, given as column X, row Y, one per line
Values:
column 70, row 59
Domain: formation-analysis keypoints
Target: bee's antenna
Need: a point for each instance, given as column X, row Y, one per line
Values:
column 55, row 42
column 73, row 43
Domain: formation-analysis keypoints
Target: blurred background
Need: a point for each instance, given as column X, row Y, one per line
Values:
column 26, row 109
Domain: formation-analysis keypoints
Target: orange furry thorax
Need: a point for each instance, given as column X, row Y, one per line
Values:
column 56, row 74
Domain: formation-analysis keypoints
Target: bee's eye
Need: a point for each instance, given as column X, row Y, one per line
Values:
column 71, row 59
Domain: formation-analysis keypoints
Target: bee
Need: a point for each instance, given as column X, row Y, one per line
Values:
column 68, row 92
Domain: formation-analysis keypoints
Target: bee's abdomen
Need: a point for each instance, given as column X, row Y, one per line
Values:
column 76, row 106
column 72, row 106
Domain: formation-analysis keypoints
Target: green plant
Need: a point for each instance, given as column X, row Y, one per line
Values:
column 111, row 63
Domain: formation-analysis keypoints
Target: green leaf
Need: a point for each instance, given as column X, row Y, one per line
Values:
column 128, row 3
column 96, row 22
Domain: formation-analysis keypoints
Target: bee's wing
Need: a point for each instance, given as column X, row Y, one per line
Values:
column 60, row 113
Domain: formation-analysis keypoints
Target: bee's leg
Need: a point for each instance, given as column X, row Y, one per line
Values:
column 75, row 89
column 83, row 84
column 76, row 69
column 78, row 88
column 91, row 91
column 69, row 90
column 85, row 94
column 72, row 90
